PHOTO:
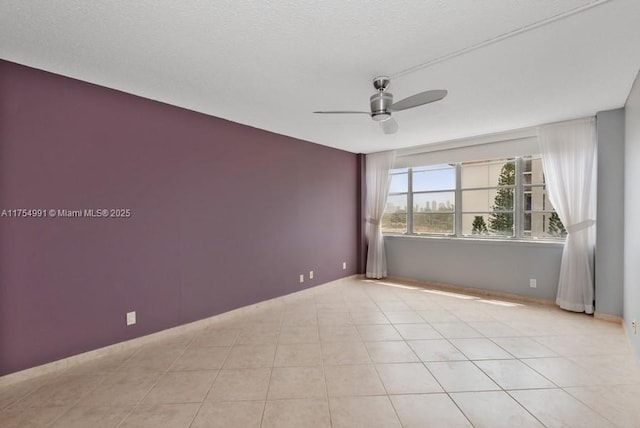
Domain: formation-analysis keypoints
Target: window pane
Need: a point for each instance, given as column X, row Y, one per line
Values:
column 500, row 172
column 434, row 177
column 487, row 200
column 535, row 198
column 475, row 224
column 394, row 219
column 433, row 222
column 496, row 224
column 543, row 225
column 532, row 170
column 398, row 183
column 434, row 201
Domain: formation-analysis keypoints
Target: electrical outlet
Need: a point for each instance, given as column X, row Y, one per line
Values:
column 533, row 283
column 634, row 326
column 131, row 318
column 310, row 274
column 344, row 265
column 301, row 278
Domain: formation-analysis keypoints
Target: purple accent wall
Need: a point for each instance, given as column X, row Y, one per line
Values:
column 223, row 215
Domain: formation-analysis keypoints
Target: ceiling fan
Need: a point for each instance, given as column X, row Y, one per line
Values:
column 382, row 104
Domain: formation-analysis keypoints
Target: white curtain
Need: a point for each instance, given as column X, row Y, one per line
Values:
column 569, row 162
column 378, row 180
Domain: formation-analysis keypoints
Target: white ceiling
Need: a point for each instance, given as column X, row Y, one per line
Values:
column 270, row 63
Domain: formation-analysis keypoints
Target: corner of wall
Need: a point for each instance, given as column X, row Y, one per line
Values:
column 362, row 197
column 609, row 267
column 631, row 307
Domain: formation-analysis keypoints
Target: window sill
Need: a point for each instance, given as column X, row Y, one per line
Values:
column 480, row 241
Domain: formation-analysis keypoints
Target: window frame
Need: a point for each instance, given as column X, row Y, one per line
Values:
column 410, row 214
column 407, row 194
column 519, row 209
column 544, row 211
column 497, row 188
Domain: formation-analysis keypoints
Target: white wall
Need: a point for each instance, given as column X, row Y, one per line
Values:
column 508, row 266
column 610, row 228
column 488, row 264
column 632, row 214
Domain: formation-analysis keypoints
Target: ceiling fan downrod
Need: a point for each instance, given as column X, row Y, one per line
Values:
column 382, row 100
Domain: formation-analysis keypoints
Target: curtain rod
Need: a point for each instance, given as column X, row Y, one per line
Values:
column 496, row 137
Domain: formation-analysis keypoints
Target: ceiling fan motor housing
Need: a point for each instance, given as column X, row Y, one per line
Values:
column 380, row 102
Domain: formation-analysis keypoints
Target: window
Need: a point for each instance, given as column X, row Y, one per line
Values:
column 394, row 219
column 434, row 195
column 488, row 190
column 540, row 219
column 430, row 193
column 503, row 197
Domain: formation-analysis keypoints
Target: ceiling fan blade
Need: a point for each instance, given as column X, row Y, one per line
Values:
column 389, row 126
column 343, row 112
column 416, row 100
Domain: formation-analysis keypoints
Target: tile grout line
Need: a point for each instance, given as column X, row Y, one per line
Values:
column 104, row 380
column 273, row 363
column 424, row 363
column 493, row 380
column 204, row 399
column 377, row 299
column 375, row 366
column 75, row 403
column 162, row 373
column 588, row 406
column 482, row 371
column 507, row 391
column 324, row 373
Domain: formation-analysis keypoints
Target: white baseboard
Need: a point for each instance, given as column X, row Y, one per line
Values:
column 74, row 360
column 606, row 317
column 478, row 292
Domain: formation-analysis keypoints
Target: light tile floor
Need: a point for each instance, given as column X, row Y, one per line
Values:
column 354, row 353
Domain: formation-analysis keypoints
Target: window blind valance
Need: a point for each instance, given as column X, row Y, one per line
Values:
column 519, row 143
column 509, row 148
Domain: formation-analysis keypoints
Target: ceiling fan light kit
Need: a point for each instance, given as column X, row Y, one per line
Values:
column 382, row 105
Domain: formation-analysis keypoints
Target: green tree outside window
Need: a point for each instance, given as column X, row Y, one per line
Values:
column 501, row 222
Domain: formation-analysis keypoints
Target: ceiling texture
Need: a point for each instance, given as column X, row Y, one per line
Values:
column 507, row 64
